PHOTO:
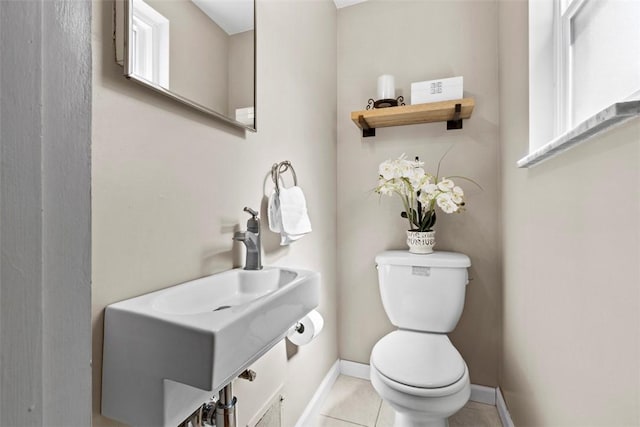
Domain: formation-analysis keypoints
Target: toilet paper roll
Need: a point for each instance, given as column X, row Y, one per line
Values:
column 306, row 329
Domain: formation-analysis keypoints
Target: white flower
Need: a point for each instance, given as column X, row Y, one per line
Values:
column 388, row 170
column 418, row 164
column 418, row 177
column 405, row 188
column 385, row 188
column 456, row 195
column 405, row 168
column 446, row 185
column 388, row 187
column 409, row 180
column 425, row 198
column 429, row 188
column 445, row 203
column 429, row 191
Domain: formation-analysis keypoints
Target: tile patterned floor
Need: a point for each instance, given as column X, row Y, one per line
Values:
column 354, row 403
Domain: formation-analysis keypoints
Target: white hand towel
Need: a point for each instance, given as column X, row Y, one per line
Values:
column 288, row 215
column 273, row 213
column 293, row 211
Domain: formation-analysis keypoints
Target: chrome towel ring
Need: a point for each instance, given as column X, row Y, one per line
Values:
column 279, row 168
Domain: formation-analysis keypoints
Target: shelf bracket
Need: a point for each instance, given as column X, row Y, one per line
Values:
column 456, row 121
column 366, row 129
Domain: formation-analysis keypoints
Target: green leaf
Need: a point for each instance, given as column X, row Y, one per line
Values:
column 432, row 220
column 423, row 223
column 415, row 218
column 428, row 221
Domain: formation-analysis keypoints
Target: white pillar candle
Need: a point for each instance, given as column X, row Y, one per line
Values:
column 386, row 87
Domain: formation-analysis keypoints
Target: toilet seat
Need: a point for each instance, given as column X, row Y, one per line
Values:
column 418, row 360
column 424, row 359
column 388, row 388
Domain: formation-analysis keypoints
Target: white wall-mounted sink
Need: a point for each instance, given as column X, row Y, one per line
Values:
column 168, row 351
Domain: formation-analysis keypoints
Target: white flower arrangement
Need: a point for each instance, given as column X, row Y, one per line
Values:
column 419, row 191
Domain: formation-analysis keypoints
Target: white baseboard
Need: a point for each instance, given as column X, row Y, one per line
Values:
column 483, row 394
column 315, row 404
column 354, row 369
column 503, row 411
column 479, row 393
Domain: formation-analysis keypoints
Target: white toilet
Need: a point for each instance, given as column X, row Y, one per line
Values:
column 416, row 369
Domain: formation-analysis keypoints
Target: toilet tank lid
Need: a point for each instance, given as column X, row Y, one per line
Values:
column 435, row 259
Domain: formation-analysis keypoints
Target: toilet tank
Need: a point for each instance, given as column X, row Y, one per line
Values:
column 423, row 292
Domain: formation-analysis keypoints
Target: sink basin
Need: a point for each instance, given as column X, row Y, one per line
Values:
column 234, row 288
column 186, row 342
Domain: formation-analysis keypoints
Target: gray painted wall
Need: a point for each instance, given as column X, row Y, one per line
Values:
column 20, row 219
column 571, row 238
column 367, row 224
column 45, row 290
column 169, row 185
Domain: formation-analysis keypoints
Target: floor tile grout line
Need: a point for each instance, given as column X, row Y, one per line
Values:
column 356, row 387
column 378, row 414
column 346, row 421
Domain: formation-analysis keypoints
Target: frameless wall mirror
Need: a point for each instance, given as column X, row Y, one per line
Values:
column 198, row 52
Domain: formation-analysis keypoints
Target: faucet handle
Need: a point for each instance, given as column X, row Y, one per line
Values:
column 251, row 212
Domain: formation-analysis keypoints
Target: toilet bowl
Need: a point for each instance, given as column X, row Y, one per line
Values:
column 416, row 369
column 421, row 376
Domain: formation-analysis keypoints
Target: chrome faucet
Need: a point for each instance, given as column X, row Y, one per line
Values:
column 251, row 240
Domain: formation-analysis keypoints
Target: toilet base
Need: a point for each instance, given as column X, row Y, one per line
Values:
column 410, row 420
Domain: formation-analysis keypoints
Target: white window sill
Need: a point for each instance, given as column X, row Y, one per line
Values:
column 600, row 122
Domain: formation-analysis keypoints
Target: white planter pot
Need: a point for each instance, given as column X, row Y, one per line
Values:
column 421, row 242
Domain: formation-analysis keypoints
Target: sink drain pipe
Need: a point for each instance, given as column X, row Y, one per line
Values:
column 226, row 408
column 222, row 413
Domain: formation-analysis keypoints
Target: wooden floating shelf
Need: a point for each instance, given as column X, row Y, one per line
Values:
column 444, row 111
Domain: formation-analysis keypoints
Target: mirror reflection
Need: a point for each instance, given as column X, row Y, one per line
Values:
column 201, row 52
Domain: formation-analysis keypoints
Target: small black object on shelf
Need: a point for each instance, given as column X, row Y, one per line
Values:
column 385, row 103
